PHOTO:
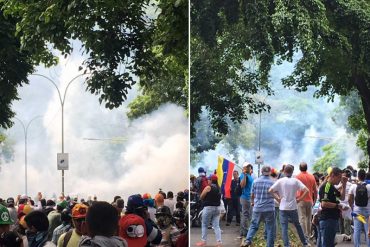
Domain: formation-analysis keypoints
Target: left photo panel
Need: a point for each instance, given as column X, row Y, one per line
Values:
column 94, row 123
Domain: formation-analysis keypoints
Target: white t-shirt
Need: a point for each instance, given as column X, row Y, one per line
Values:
column 352, row 191
column 287, row 189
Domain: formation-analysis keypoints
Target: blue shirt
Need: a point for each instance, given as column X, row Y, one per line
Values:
column 263, row 200
column 246, row 192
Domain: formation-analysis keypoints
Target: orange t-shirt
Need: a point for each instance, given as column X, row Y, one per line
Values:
column 310, row 182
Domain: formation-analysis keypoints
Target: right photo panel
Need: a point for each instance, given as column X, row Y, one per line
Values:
column 279, row 123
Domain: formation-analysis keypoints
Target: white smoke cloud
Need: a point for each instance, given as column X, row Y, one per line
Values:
column 146, row 154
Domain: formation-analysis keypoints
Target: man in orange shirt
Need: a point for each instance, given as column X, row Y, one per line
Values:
column 305, row 206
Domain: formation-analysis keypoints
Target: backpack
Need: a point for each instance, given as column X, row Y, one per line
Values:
column 67, row 237
column 361, row 196
column 203, row 183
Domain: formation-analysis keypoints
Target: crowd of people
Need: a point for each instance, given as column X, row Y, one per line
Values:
column 160, row 221
column 317, row 205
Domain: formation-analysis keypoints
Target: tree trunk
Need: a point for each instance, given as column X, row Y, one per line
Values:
column 364, row 92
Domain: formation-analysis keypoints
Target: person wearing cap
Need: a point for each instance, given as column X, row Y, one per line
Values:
column 263, row 208
column 148, row 202
column 211, row 197
column 330, row 212
column 73, row 236
column 102, row 225
column 5, row 219
column 305, row 206
column 170, row 233
column 135, row 205
column 246, row 182
column 132, row 229
column 284, row 191
column 200, row 181
column 12, row 211
column 54, row 218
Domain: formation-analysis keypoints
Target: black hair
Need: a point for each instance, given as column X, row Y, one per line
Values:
column 169, row 194
column 10, row 239
column 37, row 219
column 43, row 202
column 115, row 198
column 361, row 174
column 102, row 219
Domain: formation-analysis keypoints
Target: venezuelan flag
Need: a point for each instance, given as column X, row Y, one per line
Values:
column 225, row 170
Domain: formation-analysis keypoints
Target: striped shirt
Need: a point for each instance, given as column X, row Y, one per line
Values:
column 263, row 200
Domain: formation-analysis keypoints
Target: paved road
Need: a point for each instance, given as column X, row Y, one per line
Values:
column 230, row 237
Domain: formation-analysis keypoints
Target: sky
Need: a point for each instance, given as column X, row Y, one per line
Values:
column 145, row 154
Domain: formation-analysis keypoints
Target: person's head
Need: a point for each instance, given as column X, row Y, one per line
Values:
column 43, row 202
column 266, row 170
column 212, row 179
column 120, row 203
column 179, row 217
column 5, row 219
column 235, row 174
column 132, row 229
column 163, row 217
column 303, row 166
column 115, row 198
column 170, row 194
column 159, row 199
column 135, row 205
column 247, row 167
column 11, row 239
column 10, row 202
column 79, row 212
column 201, row 171
column 36, row 221
column 65, row 216
column 361, row 175
column 288, row 170
column 335, row 176
column 102, row 220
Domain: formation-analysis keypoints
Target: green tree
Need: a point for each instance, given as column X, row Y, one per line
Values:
column 332, row 38
column 114, row 35
column 170, row 46
column 333, row 156
column 14, row 67
column 6, row 148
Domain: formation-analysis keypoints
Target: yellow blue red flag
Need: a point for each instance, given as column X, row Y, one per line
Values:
column 225, row 170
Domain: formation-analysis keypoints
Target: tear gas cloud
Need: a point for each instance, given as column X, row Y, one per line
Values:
column 130, row 156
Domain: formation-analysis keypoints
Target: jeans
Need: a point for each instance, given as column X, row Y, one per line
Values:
column 327, row 232
column 269, row 219
column 211, row 213
column 358, row 226
column 287, row 216
column 233, row 208
column 245, row 217
column 305, row 216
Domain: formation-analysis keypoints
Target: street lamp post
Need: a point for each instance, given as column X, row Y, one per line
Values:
column 25, row 131
column 62, row 101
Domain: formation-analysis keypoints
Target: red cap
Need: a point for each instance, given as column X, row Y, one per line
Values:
column 132, row 229
column 79, row 211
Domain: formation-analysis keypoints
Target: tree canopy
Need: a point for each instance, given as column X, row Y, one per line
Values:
column 114, row 35
column 331, row 37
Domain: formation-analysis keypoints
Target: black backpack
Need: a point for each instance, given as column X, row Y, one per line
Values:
column 361, row 196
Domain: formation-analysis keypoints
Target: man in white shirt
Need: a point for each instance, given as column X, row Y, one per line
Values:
column 284, row 191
